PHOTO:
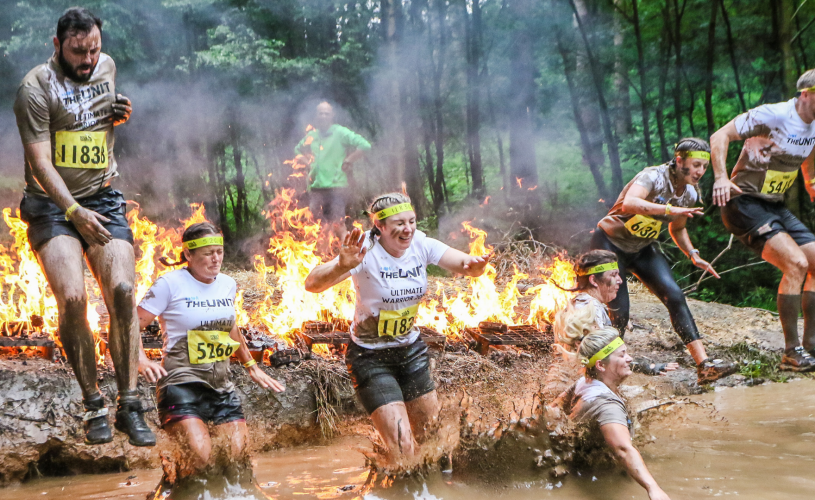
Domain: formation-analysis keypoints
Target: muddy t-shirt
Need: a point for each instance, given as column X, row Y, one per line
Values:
column 184, row 304
column 595, row 403
column 794, row 139
column 631, row 233
column 389, row 290
column 76, row 118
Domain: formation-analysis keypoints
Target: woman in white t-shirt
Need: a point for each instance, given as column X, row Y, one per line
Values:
column 387, row 360
column 196, row 310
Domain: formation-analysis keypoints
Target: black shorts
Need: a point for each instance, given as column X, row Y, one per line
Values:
column 754, row 221
column 197, row 400
column 328, row 204
column 383, row 376
column 46, row 220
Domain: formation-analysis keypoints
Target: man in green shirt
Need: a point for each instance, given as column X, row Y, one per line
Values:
column 335, row 148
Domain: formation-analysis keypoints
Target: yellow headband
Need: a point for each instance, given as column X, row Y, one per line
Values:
column 604, row 352
column 203, row 242
column 396, row 209
column 702, row 155
column 610, row 266
column 808, row 88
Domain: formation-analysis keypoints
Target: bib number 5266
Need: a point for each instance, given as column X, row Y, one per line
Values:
column 210, row 346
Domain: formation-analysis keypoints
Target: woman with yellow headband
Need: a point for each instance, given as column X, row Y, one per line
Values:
column 196, row 310
column 662, row 194
column 595, row 400
column 387, row 360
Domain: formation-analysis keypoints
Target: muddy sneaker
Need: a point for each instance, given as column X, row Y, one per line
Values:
column 130, row 420
column 798, row 361
column 97, row 429
column 711, row 370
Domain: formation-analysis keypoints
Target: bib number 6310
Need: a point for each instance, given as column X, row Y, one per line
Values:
column 643, row 226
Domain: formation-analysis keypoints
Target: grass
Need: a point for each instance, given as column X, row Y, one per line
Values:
column 757, row 363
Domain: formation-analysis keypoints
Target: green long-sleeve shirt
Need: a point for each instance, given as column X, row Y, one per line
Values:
column 330, row 149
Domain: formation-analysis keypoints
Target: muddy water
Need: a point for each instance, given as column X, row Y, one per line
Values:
column 747, row 442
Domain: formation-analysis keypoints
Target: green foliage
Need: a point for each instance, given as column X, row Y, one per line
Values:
column 757, row 363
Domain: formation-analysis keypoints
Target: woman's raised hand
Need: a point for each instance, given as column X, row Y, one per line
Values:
column 475, row 265
column 352, row 250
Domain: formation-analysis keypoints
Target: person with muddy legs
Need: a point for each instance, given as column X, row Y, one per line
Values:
column 664, row 193
column 387, row 360
column 598, row 282
column 66, row 112
column 335, row 149
column 778, row 140
column 595, row 399
column 196, row 310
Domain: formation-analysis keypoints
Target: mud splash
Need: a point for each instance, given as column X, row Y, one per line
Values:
column 750, row 442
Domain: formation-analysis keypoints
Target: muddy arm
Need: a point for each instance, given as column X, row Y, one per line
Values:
column 619, row 440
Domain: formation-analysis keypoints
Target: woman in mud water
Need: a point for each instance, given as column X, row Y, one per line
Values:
column 595, row 400
column 195, row 306
column 387, row 360
column 598, row 281
column 664, row 193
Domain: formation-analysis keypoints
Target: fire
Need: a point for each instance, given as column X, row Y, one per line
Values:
column 281, row 272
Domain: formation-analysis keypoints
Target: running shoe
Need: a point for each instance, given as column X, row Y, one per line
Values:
column 130, row 420
column 799, row 361
column 95, row 420
column 711, row 370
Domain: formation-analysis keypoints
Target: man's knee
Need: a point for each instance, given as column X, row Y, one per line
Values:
column 74, row 308
column 123, row 301
column 797, row 267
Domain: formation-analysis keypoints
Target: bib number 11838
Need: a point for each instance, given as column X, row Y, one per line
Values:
column 81, row 150
column 399, row 322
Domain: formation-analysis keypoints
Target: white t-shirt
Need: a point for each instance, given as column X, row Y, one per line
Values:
column 781, row 123
column 386, row 283
column 183, row 303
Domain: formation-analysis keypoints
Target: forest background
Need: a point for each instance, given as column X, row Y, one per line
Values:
column 526, row 116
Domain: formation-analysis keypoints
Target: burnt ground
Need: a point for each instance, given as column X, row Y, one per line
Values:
column 41, row 427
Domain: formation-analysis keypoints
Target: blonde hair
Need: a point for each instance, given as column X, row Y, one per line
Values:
column 806, row 80
column 572, row 324
column 593, row 343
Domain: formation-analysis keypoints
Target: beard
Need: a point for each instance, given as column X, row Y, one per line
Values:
column 73, row 72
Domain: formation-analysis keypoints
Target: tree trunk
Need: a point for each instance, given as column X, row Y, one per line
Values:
column 646, row 113
column 590, row 137
column 677, row 73
column 665, row 54
column 522, row 163
column 608, row 131
column 623, row 122
column 437, row 96
column 240, row 211
column 472, row 25
column 711, row 57
column 732, row 50
column 789, row 71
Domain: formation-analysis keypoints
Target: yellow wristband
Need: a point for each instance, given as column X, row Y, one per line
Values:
column 250, row 363
column 811, row 181
column 668, row 209
column 70, row 211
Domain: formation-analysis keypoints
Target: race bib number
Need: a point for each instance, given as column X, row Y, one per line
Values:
column 209, row 347
column 81, row 150
column 395, row 323
column 776, row 182
column 643, row 226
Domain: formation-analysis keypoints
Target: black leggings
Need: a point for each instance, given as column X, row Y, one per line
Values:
column 651, row 268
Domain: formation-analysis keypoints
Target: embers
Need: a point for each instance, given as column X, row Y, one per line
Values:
column 17, row 336
column 327, row 333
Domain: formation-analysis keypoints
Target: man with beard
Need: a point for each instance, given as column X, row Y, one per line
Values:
column 66, row 110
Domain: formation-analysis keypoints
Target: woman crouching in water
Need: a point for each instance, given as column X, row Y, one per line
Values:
column 195, row 306
column 595, row 400
column 387, row 360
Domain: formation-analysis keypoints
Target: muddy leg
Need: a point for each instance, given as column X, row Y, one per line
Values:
column 194, row 445
column 423, row 413
column 393, row 425
column 808, row 303
column 782, row 252
column 235, row 435
column 113, row 265
column 61, row 261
